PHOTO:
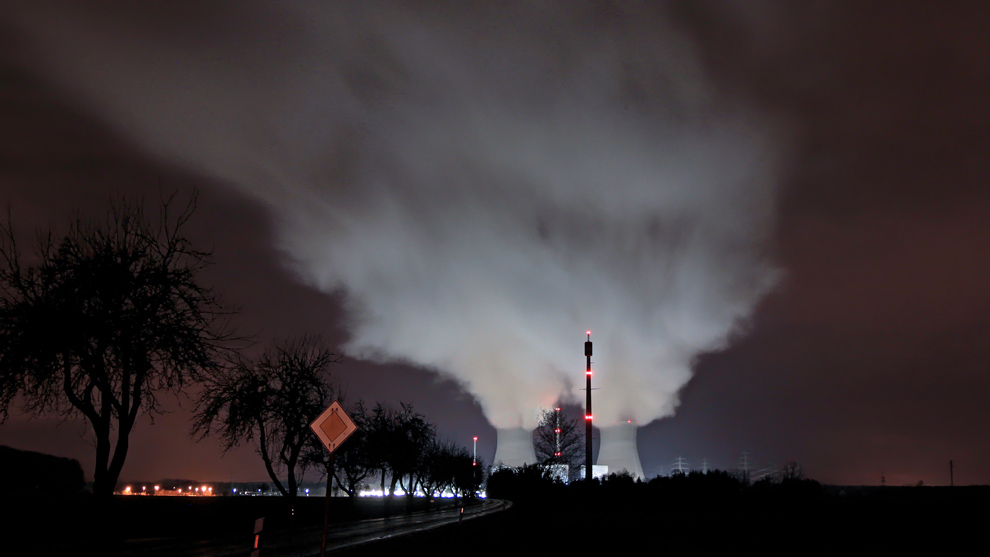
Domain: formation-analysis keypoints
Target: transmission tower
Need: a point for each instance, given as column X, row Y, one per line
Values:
column 680, row 466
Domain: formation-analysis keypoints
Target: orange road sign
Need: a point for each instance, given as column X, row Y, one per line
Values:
column 333, row 426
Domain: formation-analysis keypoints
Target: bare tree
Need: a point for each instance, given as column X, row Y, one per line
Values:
column 439, row 466
column 99, row 322
column 468, row 476
column 409, row 437
column 379, row 426
column 271, row 401
column 450, row 467
column 396, row 442
column 558, row 439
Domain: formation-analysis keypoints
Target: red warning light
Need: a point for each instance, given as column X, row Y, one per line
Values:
column 628, row 421
column 557, row 409
column 588, row 417
column 588, row 332
column 476, row 438
column 588, row 372
column 557, row 430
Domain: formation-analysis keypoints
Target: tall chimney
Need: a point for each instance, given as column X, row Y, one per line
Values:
column 588, row 418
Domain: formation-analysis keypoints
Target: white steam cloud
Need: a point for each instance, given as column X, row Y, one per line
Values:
column 484, row 185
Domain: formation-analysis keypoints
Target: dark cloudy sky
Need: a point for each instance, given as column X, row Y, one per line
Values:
column 790, row 200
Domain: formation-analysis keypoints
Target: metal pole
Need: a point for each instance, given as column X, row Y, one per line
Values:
column 326, row 506
column 474, row 460
column 587, row 415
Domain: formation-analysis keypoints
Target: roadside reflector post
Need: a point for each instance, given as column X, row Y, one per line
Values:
column 258, row 527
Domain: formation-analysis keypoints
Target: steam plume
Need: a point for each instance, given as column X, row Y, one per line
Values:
column 484, row 185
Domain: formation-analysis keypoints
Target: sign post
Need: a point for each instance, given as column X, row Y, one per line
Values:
column 333, row 427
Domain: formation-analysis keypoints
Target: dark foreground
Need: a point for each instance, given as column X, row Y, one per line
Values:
column 139, row 525
column 636, row 519
column 824, row 521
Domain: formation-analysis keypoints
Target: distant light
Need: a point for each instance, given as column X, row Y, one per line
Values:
column 557, row 409
column 475, row 437
column 589, row 417
column 143, row 487
column 589, row 332
column 557, row 430
column 628, row 421
column 235, row 490
column 156, row 487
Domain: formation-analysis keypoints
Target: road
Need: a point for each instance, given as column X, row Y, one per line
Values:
column 305, row 542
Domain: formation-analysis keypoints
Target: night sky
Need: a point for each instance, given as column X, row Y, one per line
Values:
column 772, row 215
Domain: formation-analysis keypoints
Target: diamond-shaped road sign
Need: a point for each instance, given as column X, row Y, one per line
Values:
column 333, row 426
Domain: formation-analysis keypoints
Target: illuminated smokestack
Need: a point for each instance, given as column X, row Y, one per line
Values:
column 588, row 417
column 514, row 447
column 618, row 449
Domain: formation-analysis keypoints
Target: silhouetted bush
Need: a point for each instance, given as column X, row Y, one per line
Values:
column 526, row 482
column 32, row 473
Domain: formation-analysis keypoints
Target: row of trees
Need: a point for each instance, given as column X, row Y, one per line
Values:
column 104, row 319
column 401, row 449
column 270, row 402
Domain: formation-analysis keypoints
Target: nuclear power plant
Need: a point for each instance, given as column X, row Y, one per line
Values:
column 514, row 447
column 617, row 450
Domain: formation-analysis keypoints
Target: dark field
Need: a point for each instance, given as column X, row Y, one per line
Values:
column 637, row 519
column 828, row 521
column 136, row 525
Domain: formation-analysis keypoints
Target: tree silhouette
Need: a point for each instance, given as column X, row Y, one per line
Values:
column 102, row 320
column 408, row 438
column 395, row 442
column 439, row 466
column 271, row 401
column 468, row 476
column 449, row 467
column 558, row 439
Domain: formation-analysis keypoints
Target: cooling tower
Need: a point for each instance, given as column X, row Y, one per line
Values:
column 514, row 447
column 618, row 450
